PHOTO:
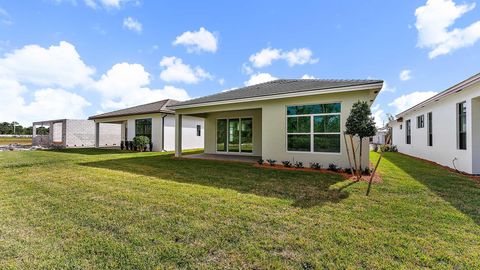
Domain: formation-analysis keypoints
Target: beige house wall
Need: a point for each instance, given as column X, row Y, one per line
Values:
column 273, row 122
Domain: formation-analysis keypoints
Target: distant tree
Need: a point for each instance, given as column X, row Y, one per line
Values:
column 360, row 123
column 43, row 131
column 6, row 128
column 27, row 131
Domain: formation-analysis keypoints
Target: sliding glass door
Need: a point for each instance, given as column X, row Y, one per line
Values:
column 235, row 135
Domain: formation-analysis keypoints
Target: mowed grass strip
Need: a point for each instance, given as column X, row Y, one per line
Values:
column 110, row 209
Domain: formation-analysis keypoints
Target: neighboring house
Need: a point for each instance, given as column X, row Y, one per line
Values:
column 155, row 121
column 444, row 128
column 72, row 133
column 296, row 120
column 381, row 136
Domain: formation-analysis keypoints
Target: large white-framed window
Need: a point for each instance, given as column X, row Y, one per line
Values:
column 314, row 128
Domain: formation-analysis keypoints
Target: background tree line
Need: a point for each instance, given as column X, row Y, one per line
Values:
column 9, row 129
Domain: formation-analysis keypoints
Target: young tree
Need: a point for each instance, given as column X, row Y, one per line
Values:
column 360, row 123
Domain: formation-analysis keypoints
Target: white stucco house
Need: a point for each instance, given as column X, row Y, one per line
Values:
column 155, row 121
column 444, row 128
column 295, row 120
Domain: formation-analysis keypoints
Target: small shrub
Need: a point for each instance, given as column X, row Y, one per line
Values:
column 315, row 165
column 287, row 164
column 388, row 148
column 260, row 161
column 375, row 148
column 271, row 162
column 141, row 142
column 348, row 170
column 333, row 167
column 366, row 171
column 122, row 146
column 299, row 165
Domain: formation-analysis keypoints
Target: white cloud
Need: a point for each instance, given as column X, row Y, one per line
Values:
column 176, row 71
column 247, row 69
column 406, row 101
column 48, row 67
column 5, row 17
column 299, row 57
column 126, row 85
column 36, row 83
column 201, row 40
column 308, row 77
column 266, row 56
column 387, row 88
column 108, row 4
column 132, row 24
column 434, row 21
column 260, row 78
column 378, row 115
column 221, row 81
column 405, row 75
column 47, row 103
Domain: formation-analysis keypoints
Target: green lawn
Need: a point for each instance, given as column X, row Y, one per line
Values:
column 91, row 209
column 22, row 141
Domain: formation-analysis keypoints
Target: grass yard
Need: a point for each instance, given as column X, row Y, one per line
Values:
column 96, row 209
column 22, row 141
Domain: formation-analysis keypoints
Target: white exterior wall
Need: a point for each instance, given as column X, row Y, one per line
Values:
column 190, row 140
column 445, row 139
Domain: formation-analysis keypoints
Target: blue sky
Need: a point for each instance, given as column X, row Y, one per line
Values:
column 75, row 58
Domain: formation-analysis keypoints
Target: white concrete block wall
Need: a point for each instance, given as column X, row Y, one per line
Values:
column 445, row 139
column 110, row 134
column 80, row 133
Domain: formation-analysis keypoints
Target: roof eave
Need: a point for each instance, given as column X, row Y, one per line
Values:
column 311, row 92
column 128, row 114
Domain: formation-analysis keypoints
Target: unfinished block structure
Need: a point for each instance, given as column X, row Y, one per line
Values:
column 65, row 133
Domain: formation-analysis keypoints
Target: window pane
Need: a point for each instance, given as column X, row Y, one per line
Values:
column 298, row 124
column 314, row 109
column 299, row 143
column 327, row 143
column 233, row 135
column 246, row 135
column 331, row 108
column 326, row 123
column 143, row 127
column 222, row 135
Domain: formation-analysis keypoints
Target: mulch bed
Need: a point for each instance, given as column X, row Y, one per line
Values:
column 365, row 178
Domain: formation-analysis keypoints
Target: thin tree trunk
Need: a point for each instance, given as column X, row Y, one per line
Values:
column 348, row 154
column 373, row 173
column 360, row 162
column 354, row 155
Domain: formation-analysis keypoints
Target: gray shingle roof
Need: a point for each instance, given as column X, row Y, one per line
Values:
column 154, row 107
column 277, row 87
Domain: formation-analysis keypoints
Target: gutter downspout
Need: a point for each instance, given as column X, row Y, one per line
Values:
column 163, row 132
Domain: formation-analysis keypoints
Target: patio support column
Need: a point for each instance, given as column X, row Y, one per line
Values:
column 178, row 135
column 34, row 130
column 97, row 134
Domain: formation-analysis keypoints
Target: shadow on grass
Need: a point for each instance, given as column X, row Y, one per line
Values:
column 304, row 189
column 460, row 191
column 92, row 151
